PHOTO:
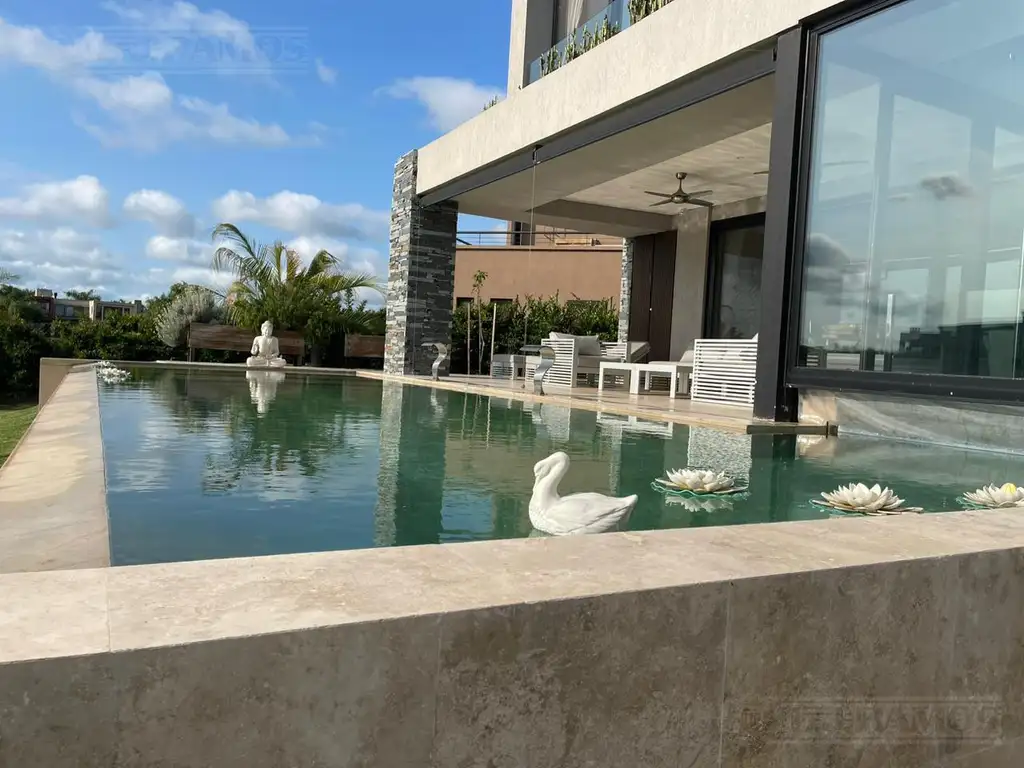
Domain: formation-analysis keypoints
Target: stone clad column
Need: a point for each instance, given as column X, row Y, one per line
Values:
column 421, row 275
column 625, row 288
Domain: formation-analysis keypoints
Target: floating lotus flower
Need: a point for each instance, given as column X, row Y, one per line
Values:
column 110, row 374
column 859, row 499
column 697, row 482
column 995, row 497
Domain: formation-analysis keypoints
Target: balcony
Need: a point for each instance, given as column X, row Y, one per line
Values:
column 541, row 239
column 611, row 20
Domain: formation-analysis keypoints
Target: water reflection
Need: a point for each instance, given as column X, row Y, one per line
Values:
column 196, row 470
column 263, row 388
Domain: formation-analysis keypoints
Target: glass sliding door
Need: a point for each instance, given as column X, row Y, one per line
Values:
column 915, row 206
column 733, row 306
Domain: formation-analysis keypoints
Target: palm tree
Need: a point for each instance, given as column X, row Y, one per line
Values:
column 270, row 282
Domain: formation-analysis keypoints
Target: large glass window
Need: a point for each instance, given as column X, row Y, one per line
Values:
column 914, row 249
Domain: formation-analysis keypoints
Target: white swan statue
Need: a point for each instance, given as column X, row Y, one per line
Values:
column 577, row 514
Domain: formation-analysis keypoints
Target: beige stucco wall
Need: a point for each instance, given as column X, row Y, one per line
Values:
column 676, row 41
column 585, row 273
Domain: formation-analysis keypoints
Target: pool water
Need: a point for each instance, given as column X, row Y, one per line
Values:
column 207, row 464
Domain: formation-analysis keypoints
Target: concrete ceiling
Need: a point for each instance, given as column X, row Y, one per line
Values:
column 731, row 168
column 722, row 142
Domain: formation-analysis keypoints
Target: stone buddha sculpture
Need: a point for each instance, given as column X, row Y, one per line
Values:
column 265, row 351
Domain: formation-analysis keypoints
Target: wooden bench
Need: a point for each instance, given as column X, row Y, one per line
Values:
column 364, row 346
column 232, row 339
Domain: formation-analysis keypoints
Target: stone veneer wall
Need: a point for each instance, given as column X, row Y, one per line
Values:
column 421, row 275
column 625, row 288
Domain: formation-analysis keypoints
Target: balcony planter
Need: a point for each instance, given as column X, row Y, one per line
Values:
column 641, row 9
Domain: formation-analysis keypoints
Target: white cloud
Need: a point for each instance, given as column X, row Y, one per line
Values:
column 138, row 93
column 181, row 18
column 189, row 119
column 165, row 212
column 141, row 110
column 82, row 198
column 449, row 101
column 326, row 74
column 30, row 46
column 302, row 215
column 179, row 249
column 59, row 259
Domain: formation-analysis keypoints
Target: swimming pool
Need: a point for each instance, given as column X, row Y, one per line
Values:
column 205, row 464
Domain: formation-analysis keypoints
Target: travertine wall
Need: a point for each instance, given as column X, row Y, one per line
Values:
column 869, row 642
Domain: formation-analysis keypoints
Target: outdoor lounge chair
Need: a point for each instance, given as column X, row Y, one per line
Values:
column 724, row 371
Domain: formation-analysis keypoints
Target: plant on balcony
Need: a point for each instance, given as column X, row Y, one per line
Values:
column 550, row 61
column 576, row 45
column 641, row 9
column 494, row 100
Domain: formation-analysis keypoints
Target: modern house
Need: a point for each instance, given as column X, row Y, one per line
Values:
column 57, row 308
column 853, row 191
column 542, row 262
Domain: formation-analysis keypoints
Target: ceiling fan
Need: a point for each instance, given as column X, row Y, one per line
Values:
column 679, row 197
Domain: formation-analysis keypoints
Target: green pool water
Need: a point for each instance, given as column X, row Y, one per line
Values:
column 207, row 464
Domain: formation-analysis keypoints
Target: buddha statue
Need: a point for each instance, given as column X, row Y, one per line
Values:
column 265, row 351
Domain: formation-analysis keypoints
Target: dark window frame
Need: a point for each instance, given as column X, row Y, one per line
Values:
column 928, row 385
column 712, row 280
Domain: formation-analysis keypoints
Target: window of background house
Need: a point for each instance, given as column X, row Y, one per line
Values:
column 915, row 223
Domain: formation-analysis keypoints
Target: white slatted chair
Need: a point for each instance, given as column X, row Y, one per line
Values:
column 724, row 371
column 577, row 356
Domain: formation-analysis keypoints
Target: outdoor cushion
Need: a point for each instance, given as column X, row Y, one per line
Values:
column 585, row 345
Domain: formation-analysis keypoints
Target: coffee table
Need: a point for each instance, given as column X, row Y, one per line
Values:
column 636, row 371
column 629, row 369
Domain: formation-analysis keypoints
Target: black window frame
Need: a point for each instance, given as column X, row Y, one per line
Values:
column 928, row 385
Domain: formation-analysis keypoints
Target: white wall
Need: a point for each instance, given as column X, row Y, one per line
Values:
column 692, row 228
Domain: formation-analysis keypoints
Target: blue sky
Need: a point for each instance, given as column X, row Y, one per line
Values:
column 132, row 127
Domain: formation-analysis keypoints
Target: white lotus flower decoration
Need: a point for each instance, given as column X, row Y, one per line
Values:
column 993, row 497
column 110, row 374
column 698, row 481
column 858, row 498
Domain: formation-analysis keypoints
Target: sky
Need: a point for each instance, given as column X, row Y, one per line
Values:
column 132, row 127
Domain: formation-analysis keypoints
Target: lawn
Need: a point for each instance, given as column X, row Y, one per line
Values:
column 14, row 420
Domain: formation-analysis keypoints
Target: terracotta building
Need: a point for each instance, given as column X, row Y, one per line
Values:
column 541, row 263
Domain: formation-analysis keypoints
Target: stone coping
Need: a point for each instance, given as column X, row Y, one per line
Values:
column 53, row 508
column 71, row 613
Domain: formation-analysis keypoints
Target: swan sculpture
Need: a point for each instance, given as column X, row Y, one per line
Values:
column 576, row 514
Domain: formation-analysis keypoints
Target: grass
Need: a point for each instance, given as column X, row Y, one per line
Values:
column 14, row 420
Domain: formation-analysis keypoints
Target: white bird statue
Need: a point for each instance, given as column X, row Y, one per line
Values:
column 576, row 514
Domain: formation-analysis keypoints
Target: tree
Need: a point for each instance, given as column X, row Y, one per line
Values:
column 89, row 295
column 270, row 282
column 191, row 304
column 17, row 304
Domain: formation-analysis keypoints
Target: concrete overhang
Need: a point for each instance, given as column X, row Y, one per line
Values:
column 722, row 142
column 678, row 41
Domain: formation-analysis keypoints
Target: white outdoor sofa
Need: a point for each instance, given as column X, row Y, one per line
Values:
column 581, row 357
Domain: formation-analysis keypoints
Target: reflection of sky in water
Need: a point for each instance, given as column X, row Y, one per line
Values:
column 194, row 472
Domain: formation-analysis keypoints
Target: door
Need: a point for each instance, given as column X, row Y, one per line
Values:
column 733, row 306
column 650, row 303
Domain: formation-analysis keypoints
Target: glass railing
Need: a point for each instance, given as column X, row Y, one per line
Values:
column 611, row 20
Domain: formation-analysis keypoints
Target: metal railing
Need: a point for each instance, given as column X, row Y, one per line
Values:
column 540, row 239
